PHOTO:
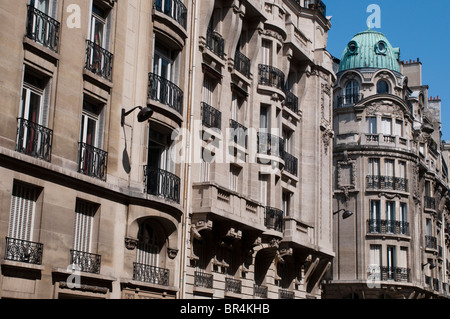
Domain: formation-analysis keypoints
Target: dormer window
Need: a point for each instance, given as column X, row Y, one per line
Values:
column 353, row 47
column 380, row 47
column 382, row 87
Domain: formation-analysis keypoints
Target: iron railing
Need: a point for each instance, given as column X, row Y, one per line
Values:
column 387, row 182
column 85, row 261
column 211, row 117
column 271, row 76
column 290, row 163
column 34, row 139
column 92, row 161
column 238, row 133
column 174, row 9
column 382, row 226
column 273, row 218
column 430, row 242
column 285, row 294
column 242, row 63
column 43, row 29
column 98, row 60
column 162, row 183
column 203, row 279
column 215, row 42
column 150, row 274
column 165, row 92
column 23, row 251
column 260, row 291
column 233, row 285
column 430, row 202
column 349, row 99
column 292, row 102
column 385, row 273
column 270, row 144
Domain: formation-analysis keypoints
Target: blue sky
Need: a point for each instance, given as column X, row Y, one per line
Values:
column 421, row 29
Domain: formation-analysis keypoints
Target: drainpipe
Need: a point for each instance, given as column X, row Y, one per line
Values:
column 189, row 142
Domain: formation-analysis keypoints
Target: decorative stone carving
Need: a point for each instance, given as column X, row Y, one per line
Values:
column 130, row 243
column 172, row 252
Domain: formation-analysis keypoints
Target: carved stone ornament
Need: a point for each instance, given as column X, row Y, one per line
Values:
column 172, row 252
column 130, row 243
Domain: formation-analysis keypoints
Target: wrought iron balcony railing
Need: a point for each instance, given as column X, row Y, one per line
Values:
column 233, row 285
column 270, row 144
column 271, row 76
column 174, row 9
column 292, row 102
column 382, row 226
column 385, row 273
column 285, row 294
column 98, row 60
column 165, row 92
column 162, row 183
column 92, row 161
column 85, row 262
column 260, row 291
column 430, row 202
column 238, row 133
column 290, row 163
column 273, row 218
column 215, row 42
column 349, row 99
column 34, row 139
column 23, row 251
column 387, row 182
column 150, row 274
column 242, row 63
column 430, row 242
column 211, row 117
column 43, row 29
column 203, row 279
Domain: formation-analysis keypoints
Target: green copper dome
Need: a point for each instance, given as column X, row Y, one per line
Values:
column 370, row 49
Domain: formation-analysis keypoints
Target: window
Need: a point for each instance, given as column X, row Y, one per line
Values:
column 372, row 125
column 234, row 177
column 389, row 167
column 84, row 221
column 45, row 6
column 92, row 123
column 264, row 119
column 374, row 262
column 386, row 126
column 286, row 203
column 266, row 52
column 391, row 262
column 374, row 166
column 390, row 217
column 428, row 227
column 403, row 218
column 351, row 92
column 382, row 87
column 374, row 221
column 22, row 213
column 35, row 98
column 100, row 27
column 352, row 47
column 147, row 250
column 403, row 258
column 287, row 138
column 263, row 182
column 398, row 128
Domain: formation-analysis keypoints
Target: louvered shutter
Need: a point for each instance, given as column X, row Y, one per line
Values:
column 23, row 203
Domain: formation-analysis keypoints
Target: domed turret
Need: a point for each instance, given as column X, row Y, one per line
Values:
column 370, row 49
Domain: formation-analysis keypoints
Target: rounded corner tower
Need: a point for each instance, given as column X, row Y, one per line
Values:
column 370, row 50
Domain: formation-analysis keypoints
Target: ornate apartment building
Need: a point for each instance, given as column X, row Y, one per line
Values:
column 165, row 149
column 391, row 172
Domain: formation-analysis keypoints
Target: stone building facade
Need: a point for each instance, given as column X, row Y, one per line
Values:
column 222, row 189
column 391, row 172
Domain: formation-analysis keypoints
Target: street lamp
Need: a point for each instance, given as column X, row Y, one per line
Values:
column 432, row 266
column 346, row 213
column 144, row 114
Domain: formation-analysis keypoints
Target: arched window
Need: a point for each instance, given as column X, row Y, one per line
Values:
column 351, row 92
column 148, row 246
column 382, row 87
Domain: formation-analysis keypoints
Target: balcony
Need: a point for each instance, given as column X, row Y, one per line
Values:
column 273, row 218
column 349, row 99
column 85, row 262
column 269, row 144
column 291, row 102
column 430, row 242
column 429, row 202
column 233, row 285
column 387, row 183
column 98, row 60
column 238, row 133
column 43, row 29
column 242, row 64
column 381, row 226
column 174, row 9
column 215, row 42
column 260, row 291
column 271, row 76
column 92, row 161
column 385, row 273
column 202, row 279
column 23, row 251
column 165, row 92
column 150, row 274
column 211, row 117
column 34, row 140
column 290, row 163
column 162, row 183
column 285, row 294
